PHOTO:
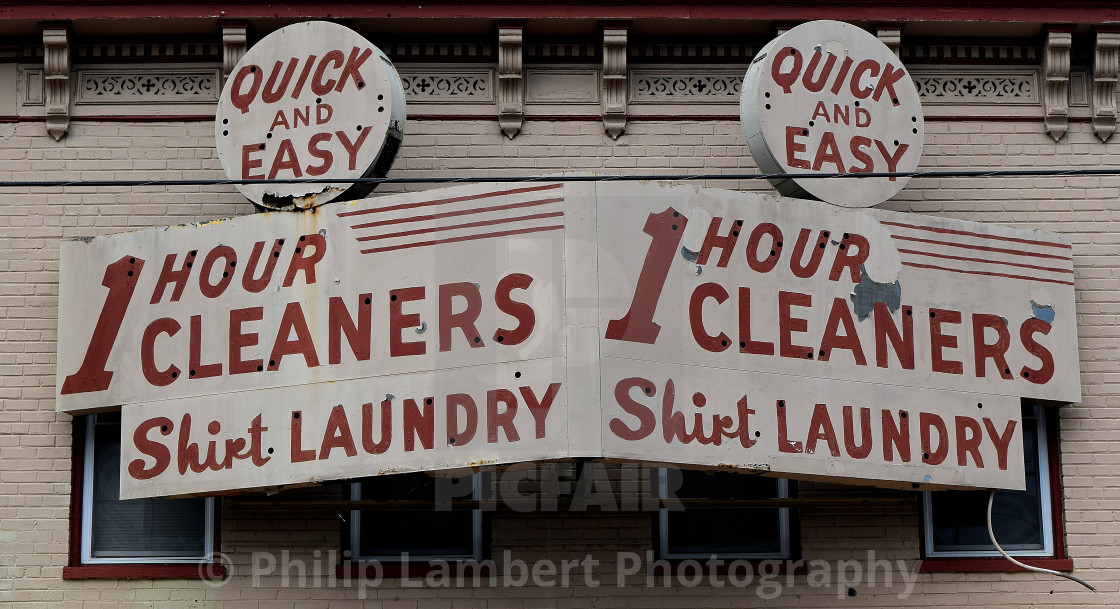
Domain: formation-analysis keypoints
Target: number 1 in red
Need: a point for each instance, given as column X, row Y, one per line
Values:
column 120, row 277
column 637, row 326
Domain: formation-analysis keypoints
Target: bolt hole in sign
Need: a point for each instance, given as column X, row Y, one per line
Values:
column 313, row 100
column 828, row 97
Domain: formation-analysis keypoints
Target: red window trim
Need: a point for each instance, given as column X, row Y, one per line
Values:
column 77, row 570
column 997, row 564
column 992, row 564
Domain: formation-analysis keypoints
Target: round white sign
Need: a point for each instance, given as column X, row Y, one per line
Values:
column 828, row 97
column 313, row 100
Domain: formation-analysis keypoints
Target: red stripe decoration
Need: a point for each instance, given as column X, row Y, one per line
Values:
column 1049, row 269
column 505, row 233
column 986, row 273
column 486, row 195
column 517, row 211
column 981, row 248
column 949, row 231
column 421, row 231
column 974, row 253
column 461, row 212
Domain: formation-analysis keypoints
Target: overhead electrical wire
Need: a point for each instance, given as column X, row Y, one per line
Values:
column 973, row 173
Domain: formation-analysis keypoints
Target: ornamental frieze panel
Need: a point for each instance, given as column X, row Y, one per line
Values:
column 963, row 85
column 712, row 86
column 448, row 85
column 147, row 86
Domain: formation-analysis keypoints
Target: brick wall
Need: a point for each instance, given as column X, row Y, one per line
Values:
column 35, row 441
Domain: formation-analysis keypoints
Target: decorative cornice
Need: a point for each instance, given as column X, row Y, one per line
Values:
column 511, row 80
column 1106, row 64
column 56, row 78
column 1055, row 91
column 614, row 81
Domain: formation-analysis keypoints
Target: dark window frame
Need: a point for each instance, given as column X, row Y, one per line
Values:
column 788, row 519
column 1058, row 560
column 355, row 565
column 206, row 569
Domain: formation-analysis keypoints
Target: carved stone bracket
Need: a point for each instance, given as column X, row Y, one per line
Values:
column 1106, row 65
column 235, row 41
column 511, row 81
column 890, row 35
column 614, row 80
column 1055, row 91
column 56, row 78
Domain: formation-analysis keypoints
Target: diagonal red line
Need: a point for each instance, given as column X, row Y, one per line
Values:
column 461, row 212
column 985, row 273
column 486, row 195
column 966, row 259
column 949, row 231
column 504, row 233
column 421, row 231
column 982, row 248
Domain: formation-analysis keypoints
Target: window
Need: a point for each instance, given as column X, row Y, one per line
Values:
column 387, row 535
column 1026, row 523
column 731, row 533
column 109, row 531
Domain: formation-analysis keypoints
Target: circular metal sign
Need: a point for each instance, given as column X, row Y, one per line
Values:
column 828, row 97
column 311, row 100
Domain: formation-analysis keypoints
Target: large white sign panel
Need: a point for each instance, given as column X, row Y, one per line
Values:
column 499, row 323
column 754, row 332
column 828, row 97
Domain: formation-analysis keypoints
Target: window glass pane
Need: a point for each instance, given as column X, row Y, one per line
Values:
column 960, row 518
column 138, row 528
column 725, row 530
column 388, row 533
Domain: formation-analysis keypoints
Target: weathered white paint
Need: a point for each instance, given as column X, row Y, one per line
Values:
column 391, row 278
column 800, row 445
column 310, row 448
column 586, row 255
column 310, row 100
column 828, row 97
column 985, row 273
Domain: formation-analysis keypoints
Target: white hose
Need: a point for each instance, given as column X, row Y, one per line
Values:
column 992, row 535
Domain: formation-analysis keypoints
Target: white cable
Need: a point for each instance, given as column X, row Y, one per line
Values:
column 992, row 535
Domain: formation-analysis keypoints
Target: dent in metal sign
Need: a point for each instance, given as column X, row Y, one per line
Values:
column 828, row 97
column 500, row 323
column 311, row 100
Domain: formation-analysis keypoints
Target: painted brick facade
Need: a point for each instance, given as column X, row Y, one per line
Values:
column 35, row 442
